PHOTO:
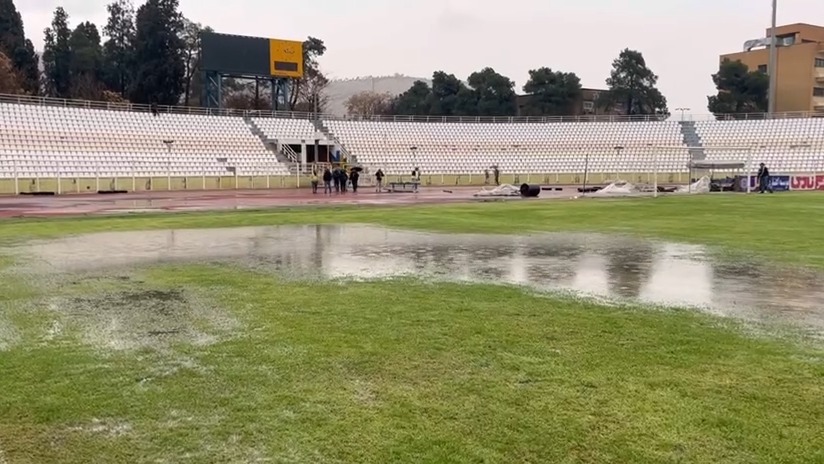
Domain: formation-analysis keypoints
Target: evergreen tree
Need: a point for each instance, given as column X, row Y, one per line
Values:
column 449, row 96
column 552, row 93
column 158, row 52
column 739, row 90
column 9, row 77
column 57, row 55
column 18, row 49
column 86, row 62
column 494, row 93
column 118, row 50
column 415, row 101
column 632, row 86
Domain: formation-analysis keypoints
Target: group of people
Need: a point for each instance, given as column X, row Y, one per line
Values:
column 339, row 180
column 495, row 172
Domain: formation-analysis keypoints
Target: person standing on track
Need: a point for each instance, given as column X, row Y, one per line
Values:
column 353, row 177
column 314, row 179
column 336, row 179
column 764, row 181
column 379, row 180
column 327, row 181
column 344, row 180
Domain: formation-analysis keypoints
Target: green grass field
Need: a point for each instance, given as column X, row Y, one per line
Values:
column 266, row 368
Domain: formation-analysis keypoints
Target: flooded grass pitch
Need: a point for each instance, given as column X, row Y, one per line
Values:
column 365, row 344
column 611, row 267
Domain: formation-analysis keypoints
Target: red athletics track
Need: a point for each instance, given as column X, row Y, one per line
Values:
column 93, row 204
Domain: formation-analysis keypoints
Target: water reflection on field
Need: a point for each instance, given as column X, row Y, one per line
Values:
column 608, row 266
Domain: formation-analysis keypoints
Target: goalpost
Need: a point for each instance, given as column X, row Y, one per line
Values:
column 710, row 159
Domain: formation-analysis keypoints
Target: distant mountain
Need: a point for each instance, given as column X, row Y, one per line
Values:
column 340, row 90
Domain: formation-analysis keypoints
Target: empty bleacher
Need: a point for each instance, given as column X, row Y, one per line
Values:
column 457, row 148
column 786, row 145
column 41, row 142
column 286, row 129
column 51, row 141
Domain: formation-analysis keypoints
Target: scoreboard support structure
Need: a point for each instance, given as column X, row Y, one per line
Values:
column 213, row 90
column 276, row 61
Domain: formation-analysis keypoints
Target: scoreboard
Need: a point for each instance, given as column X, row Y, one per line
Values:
column 286, row 58
column 251, row 56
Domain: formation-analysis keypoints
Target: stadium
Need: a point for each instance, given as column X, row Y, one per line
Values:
column 174, row 291
column 59, row 147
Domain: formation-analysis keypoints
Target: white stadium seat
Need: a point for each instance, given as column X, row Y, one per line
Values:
column 50, row 141
column 559, row 148
column 42, row 141
column 286, row 130
column 785, row 145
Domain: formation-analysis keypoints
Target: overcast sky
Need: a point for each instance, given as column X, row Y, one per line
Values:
column 681, row 39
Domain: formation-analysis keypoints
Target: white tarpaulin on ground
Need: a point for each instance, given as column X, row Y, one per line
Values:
column 619, row 187
column 702, row 185
column 504, row 190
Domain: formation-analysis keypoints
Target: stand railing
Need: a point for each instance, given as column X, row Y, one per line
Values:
column 125, row 106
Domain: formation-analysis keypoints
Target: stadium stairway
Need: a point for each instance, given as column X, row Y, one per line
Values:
column 270, row 145
column 692, row 140
column 324, row 129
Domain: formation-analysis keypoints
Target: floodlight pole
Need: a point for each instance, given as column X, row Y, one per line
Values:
column 773, row 69
column 586, row 174
column 169, row 164
column 654, row 171
column 682, row 110
column 414, row 151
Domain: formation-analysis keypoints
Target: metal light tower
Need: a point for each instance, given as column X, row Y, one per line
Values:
column 773, row 67
column 169, row 144
column 414, row 151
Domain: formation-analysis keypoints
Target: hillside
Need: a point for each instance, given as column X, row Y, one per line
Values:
column 340, row 90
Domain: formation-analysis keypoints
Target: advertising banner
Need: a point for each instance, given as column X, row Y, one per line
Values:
column 807, row 182
column 778, row 183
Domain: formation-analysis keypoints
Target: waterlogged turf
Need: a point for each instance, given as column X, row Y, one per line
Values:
column 247, row 366
column 168, row 347
column 612, row 267
column 785, row 226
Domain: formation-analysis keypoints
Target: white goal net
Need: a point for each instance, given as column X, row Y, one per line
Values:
column 653, row 170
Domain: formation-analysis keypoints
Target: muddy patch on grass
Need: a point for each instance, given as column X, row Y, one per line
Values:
column 9, row 336
column 137, row 316
column 610, row 267
column 109, row 428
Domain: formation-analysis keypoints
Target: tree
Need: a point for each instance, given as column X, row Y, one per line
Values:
column 86, row 68
column 17, row 49
column 450, row 96
column 191, row 57
column 632, row 86
column 9, row 77
column 368, row 103
column 246, row 94
column 415, row 101
column 552, row 93
column 494, row 94
column 158, row 52
column 118, row 50
column 739, row 89
column 57, row 55
column 313, row 48
column 312, row 94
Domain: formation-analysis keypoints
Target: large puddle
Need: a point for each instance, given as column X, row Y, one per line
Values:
column 606, row 266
